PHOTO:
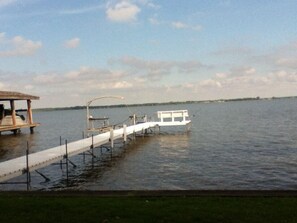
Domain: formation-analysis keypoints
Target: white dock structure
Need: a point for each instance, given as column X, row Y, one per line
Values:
column 21, row 165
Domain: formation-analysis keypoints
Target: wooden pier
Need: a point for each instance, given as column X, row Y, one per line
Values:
column 19, row 166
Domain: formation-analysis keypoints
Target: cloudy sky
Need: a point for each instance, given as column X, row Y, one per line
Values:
column 68, row 52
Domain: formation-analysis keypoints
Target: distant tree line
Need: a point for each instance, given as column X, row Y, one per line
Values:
column 164, row 103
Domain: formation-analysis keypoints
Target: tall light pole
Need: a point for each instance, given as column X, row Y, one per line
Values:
column 97, row 98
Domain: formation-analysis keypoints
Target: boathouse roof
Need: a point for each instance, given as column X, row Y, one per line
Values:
column 11, row 95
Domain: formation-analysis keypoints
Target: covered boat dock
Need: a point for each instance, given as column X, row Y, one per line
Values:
column 10, row 120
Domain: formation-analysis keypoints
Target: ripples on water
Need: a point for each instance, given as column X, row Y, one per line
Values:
column 234, row 145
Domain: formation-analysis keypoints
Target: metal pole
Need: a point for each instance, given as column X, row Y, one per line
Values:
column 61, row 145
column 66, row 157
column 125, row 133
column 111, row 141
column 27, row 167
column 92, row 146
column 111, row 138
column 84, row 155
column 88, row 116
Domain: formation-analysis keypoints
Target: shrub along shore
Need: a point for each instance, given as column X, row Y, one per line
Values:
column 149, row 206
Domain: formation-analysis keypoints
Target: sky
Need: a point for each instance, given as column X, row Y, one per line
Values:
column 68, row 52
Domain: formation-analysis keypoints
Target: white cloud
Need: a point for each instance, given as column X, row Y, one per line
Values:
column 210, row 83
column 117, row 85
column 154, row 21
column 240, row 85
column 29, row 87
column 287, row 62
column 1, row 86
column 72, row 43
column 18, row 46
column 81, row 10
column 242, row 71
column 93, row 74
column 233, row 50
column 46, row 78
column 123, row 11
column 2, row 37
column 141, row 64
column 221, row 75
column 280, row 57
column 284, row 76
column 156, row 70
column 250, row 70
column 149, row 4
column 87, row 82
column 4, row 3
column 181, row 25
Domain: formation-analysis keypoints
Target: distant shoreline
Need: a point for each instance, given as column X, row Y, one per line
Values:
column 164, row 103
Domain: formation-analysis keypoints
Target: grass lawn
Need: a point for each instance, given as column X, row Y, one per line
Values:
column 35, row 208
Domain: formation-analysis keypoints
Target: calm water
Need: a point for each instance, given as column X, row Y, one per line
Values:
column 234, row 145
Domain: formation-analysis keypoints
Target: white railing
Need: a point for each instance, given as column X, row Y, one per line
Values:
column 173, row 116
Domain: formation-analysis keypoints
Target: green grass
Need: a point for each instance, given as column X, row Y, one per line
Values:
column 22, row 208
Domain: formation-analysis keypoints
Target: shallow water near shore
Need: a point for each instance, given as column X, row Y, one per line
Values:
column 232, row 145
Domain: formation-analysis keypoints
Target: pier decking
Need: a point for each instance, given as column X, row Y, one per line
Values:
column 18, row 166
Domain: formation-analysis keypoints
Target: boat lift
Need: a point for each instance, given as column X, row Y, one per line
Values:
column 98, row 124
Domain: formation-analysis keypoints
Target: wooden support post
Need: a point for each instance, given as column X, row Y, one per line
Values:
column 29, row 112
column 12, row 106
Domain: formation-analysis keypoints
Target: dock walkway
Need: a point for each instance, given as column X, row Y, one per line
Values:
column 18, row 166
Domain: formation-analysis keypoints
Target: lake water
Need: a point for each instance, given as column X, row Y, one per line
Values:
column 233, row 145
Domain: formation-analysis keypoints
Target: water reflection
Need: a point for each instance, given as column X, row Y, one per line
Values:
column 92, row 172
column 175, row 141
column 16, row 145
